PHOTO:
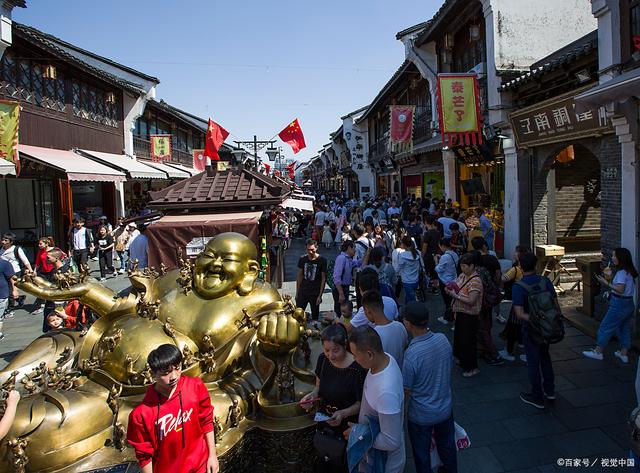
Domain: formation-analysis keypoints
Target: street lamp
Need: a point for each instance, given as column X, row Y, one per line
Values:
column 238, row 155
column 255, row 146
column 272, row 153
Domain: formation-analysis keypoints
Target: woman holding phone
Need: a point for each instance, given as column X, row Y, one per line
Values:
column 339, row 383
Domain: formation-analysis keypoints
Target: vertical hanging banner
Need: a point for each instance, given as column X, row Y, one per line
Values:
column 9, row 125
column 160, row 147
column 459, row 109
column 401, row 126
column 199, row 160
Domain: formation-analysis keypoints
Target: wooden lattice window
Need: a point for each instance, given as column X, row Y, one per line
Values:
column 90, row 103
column 22, row 79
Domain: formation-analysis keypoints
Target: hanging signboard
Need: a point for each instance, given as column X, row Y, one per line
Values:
column 160, row 147
column 9, row 124
column 458, row 98
column 557, row 120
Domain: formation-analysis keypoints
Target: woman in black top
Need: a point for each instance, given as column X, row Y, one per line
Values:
column 339, row 382
column 105, row 252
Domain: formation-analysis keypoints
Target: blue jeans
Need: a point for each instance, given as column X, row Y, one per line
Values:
column 617, row 320
column 539, row 366
column 121, row 255
column 420, row 436
column 409, row 291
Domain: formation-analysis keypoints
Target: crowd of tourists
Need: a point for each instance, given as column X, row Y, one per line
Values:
column 380, row 357
column 115, row 248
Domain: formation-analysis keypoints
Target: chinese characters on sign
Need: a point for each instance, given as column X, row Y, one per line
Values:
column 556, row 120
column 160, row 147
column 9, row 120
column 458, row 107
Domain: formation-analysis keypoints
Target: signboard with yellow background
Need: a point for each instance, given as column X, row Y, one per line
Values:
column 9, row 123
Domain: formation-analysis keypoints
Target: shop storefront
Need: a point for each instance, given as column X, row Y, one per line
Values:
column 480, row 176
column 422, row 174
column 575, row 174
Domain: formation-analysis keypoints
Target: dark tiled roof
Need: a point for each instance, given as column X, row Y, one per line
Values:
column 579, row 48
column 56, row 47
column 405, row 65
column 223, row 189
column 411, row 29
column 431, row 24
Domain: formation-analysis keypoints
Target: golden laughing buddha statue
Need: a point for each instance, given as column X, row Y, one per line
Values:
column 237, row 331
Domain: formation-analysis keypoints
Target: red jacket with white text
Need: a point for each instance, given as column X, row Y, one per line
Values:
column 170, row 431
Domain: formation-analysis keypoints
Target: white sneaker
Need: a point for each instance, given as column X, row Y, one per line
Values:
column 623, row 358
column 442, row 320
column 523, row 358
column 102, row 279
column 594, row 355
column 121, row 271
column 504, row 354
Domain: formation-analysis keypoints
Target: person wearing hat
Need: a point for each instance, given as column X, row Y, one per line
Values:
column 123, row 242
column 426, row 374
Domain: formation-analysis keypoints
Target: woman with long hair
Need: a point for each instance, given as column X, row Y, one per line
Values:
column 409, row 266
column 339, row 383
column 512, row 332
column 619, row 316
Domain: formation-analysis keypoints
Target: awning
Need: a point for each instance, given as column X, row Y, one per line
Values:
column 180, row 167
column 172, row 172
column 298, row 204
column 7, row 168
column 76, row 166
column 618, row 89
column 130, row 166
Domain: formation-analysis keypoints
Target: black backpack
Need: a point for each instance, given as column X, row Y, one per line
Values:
column 545, row 317
column 491, row 295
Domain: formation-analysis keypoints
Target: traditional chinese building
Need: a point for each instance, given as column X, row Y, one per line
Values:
column 569, row 158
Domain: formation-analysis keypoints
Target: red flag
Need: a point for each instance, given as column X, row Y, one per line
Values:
column 199, row 160
column 214, row 139
column 290, row 168
column 292, row 135
column 267, row 168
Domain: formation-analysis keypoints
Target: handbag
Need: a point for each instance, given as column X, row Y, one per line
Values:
column 462, row 443
column 120, row 246
column 330, row 447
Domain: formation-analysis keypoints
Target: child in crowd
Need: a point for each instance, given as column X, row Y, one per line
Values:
column 458, row 242
column 327, row 238
column 58, row 319
column 346, row 311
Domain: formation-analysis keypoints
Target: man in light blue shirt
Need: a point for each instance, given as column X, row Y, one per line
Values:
column 426, row 374
column 138, row 249
column 486, row 226
column 446, row 222
column 447, row 271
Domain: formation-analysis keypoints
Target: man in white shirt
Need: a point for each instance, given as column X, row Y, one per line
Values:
column 382, row 396
column 446, row 222
column 392, row 333
column 319, row 221
column 369, row 281
column 80, row 242
column 14, row 254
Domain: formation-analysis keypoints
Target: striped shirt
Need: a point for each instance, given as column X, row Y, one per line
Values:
column 426, row 373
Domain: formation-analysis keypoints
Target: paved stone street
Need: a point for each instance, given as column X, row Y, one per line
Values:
column 588, row 420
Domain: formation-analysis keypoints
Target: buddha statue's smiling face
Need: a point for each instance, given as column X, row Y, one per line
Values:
column 228, row 263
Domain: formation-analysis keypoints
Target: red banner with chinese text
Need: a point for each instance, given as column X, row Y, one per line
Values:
column 160, row 147
column 458, row 98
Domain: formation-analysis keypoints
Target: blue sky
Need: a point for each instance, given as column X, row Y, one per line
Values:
column 253, row 65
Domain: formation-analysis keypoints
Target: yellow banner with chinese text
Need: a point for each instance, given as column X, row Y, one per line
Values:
column 160, row 147
column 458, row 107
column 9, row 125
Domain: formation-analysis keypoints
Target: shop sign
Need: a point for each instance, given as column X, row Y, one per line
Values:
column 196, row 246
column 160, row 147
column 458, row 100
column 9, row 124
column 475, row 154
column 557, row 120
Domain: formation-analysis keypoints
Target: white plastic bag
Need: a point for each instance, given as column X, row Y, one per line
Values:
column 462, row 442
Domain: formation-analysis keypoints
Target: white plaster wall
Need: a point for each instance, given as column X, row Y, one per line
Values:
column 365, row 175
column 526, row 31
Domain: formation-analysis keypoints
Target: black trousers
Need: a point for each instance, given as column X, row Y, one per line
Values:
column 80, row 257
column 303, row 299
column 336, row 298
column 448, row 313
column 465, row 340
column 105, row 258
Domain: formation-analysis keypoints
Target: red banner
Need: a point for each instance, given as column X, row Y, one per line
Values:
column 402, row 123
column 199, row 160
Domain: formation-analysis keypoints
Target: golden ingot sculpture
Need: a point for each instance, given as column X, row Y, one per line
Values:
column 234, row 330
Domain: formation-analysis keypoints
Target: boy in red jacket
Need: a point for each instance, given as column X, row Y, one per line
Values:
column 172, row 430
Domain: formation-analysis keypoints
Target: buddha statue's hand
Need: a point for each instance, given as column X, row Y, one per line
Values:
column 279, row 332
column 88, row 291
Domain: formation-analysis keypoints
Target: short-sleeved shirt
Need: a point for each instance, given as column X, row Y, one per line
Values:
column 320, row 217
column 490, row 263
column 446, row 223
column 426, row 372
column 390, row 312
column 394, row 339
column 6, row 272
column 312, row 271
column 105, row 241
column 486, row 227
column 519, row 294
column 467, row 285
column 339, row 387
column 623, row 277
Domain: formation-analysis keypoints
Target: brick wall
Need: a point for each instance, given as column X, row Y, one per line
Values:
column 569, row 200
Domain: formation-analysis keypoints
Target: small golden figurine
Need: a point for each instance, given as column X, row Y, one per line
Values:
column 217, row 430
column 17, row 455
column 208, row 361
column 147, row 376
column 10, row 383
column 119, row 436
column 55, row 377
column 109, row 343
column 207, row 344
column 132, row 374
column 188, row 358
column 285, row 383
column 163, row 269
column 168, row 328
column 65, row 355
column 112, row 400
column 234, row 416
